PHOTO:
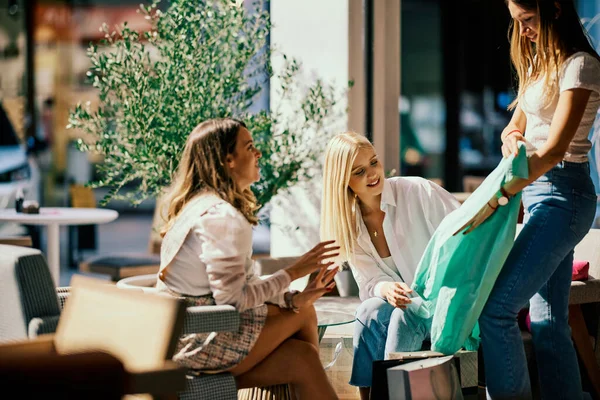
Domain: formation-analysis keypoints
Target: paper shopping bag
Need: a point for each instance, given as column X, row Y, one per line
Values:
column 428, row 379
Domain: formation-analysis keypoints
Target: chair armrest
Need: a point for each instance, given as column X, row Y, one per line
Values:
column 63, row 294
column 198, row 319
column 583, row 292
column 203, row 319
column 40, row 326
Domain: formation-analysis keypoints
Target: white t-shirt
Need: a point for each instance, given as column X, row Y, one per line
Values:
column 389, row 261
column 581, row 70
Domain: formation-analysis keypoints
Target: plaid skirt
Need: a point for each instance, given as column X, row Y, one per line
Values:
column 219, row 351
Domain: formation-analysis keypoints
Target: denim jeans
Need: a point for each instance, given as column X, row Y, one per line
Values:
column 381, row 328
column 559, row 211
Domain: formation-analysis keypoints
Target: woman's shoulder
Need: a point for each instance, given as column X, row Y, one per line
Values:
column 408, row 183
column 582, row 61
column 212, row 209
column 419, row 188
column 581, row 70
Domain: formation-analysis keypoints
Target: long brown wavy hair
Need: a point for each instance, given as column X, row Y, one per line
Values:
column 560, row 35
column 203, row 168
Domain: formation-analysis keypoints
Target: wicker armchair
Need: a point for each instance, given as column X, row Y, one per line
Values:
column 32, row 306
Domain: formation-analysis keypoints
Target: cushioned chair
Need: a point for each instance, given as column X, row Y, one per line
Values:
column 263, row 266
column 31, row 306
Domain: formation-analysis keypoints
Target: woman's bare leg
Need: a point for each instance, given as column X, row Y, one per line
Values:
column 295, row 362
column 280, row 326
column 308, row 332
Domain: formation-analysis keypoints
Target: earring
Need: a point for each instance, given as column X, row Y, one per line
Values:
column 354, row 204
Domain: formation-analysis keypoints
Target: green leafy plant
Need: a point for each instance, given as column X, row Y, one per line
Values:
column 198, row 60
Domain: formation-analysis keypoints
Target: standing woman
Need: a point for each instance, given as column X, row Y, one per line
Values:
column 205, row 258
column 383, row 227
column 558, row 97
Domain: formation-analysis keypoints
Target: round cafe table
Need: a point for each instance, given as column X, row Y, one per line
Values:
column 327, row 318
column 53, row 218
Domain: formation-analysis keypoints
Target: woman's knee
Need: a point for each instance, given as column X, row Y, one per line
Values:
column 496, row 314
column 374, row 308
column 302, row 352
column 309, row 315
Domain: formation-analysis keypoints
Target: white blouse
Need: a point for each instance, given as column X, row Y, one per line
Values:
column 414, row 207
column 581, row 70
column 216, row 258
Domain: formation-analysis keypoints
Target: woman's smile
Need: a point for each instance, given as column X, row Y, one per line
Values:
column 374, row 183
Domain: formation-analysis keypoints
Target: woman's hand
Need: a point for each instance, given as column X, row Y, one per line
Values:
column 486, row 211
column 397, row 294
column 314, row 259
column 321, row 284
column 510, row 143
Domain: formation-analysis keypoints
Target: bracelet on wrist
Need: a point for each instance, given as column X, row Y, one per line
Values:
column 288, row 297
column 511, row 132
column 490, row 206
column 505, row 193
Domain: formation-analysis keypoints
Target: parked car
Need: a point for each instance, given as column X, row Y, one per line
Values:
column 18, row 169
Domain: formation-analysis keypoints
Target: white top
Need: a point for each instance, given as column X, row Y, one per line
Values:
column 216, row 258
column 61, row 216
column 414, row 207
column 389, row 261
column 581, row 70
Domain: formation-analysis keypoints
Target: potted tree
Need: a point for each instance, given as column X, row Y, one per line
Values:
column 197, row 60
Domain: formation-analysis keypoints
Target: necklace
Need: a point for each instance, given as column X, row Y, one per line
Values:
column 375, row 231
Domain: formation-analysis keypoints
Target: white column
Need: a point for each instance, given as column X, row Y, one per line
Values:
column 53, row 251
column 356, row 66
column 316, row 33
column 386, row 82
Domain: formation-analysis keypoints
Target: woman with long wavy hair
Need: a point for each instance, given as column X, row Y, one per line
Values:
column 557, row 101
column 205, row 258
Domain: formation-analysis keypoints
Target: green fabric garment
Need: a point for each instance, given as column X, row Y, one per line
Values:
column 456, row 273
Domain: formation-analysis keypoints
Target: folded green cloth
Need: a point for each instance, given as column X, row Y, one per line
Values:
column 457, row 273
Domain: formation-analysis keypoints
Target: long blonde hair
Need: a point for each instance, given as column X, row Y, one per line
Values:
column 203, row 168
column 338, row 207
column 559, row 37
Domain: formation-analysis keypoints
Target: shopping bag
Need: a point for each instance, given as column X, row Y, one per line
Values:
column 457, row 273
column 428, row 379
column 379, row 381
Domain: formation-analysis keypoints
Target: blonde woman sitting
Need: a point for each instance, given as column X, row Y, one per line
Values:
column 382, row 227
column 205, row 258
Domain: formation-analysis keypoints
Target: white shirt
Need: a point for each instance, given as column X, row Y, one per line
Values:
column 216, row 258
column 581, row 70
column 389, row 261
column 414, row 207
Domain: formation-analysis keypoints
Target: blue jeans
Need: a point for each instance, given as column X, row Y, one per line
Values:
column 381, row 328
column 559, row 211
